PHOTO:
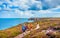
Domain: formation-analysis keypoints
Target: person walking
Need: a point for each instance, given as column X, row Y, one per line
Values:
column 24, row 28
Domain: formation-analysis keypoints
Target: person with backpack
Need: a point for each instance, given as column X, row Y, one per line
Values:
column 24, row 28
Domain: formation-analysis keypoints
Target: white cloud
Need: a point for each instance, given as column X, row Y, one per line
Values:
column 26, row 4
column 29, row 14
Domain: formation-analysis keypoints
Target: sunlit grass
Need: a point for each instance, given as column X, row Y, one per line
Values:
column 44, row 25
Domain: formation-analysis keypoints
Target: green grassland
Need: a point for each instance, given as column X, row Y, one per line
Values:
column 44, row 25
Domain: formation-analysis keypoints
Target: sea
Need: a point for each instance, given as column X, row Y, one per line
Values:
column 6, row 23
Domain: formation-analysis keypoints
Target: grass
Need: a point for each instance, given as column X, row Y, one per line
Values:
column 11, row 32
column 44, row 25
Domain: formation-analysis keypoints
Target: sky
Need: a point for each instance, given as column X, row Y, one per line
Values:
column 29, row 8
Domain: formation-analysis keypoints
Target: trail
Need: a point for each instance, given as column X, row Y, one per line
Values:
column 27, row 32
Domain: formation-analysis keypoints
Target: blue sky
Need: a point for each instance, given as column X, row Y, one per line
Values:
column 29, row 8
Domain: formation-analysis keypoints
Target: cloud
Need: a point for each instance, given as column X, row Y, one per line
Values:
column 29, row 14
column 29, row 8
column 29, row 4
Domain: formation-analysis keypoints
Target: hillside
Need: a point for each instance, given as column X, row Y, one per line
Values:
column 40, row 33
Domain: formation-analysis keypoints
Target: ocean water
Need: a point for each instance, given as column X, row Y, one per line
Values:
column 10, row 22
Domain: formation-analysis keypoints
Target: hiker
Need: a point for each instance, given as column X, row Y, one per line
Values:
column 24, row 28
column 27, row 27
column 30, row 26
column 37, row 27
column 50, row 34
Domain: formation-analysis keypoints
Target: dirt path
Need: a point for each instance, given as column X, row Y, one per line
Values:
column 22, row 35
column 27, row 32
